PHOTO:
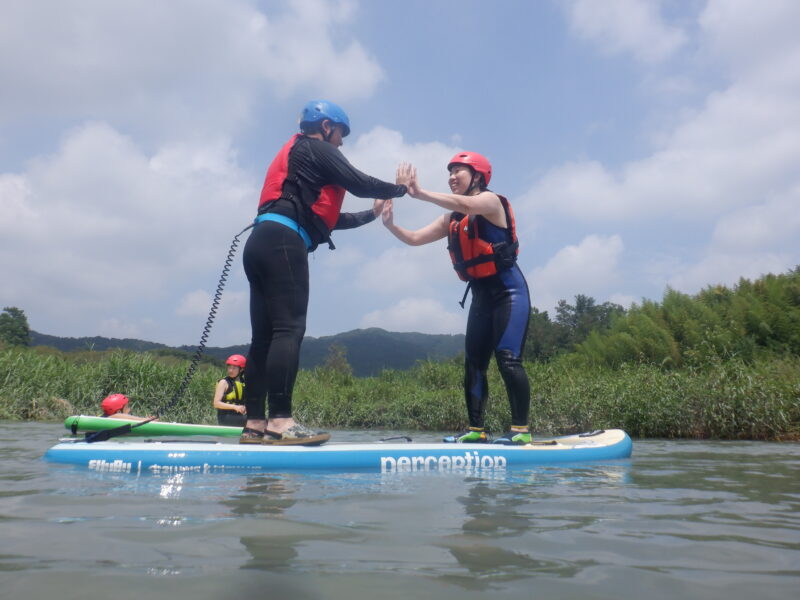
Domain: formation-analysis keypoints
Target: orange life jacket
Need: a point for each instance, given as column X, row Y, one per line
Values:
column 473, row 256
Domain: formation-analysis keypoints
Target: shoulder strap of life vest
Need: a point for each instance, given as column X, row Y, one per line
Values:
column 502, row 248
column 503, row 254
column 232, row 387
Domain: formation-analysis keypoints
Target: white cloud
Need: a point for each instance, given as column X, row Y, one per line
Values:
column 744, row 140
column 749, row 242
column 756, row 40
column 100, row 227
column 15, row 198
column 181, row 66
column 301, row 52
column 416, row 314
column 399, row 269
column 194, row 304
column 590, row 268
column 633, row 26
column 731, row 166
column 773, row 224
column 726, row 268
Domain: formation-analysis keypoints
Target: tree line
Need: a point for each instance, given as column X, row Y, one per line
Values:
column 745, row 320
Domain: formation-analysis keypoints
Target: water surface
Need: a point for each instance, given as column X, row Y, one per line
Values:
column 677, row 520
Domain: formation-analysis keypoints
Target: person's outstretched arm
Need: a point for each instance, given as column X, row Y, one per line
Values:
column 362, row 217
column 485, row 203
column 326, row 161
column 430, row 233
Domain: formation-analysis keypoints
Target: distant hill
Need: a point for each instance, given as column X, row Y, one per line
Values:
column 368, row 350
column 68, row 344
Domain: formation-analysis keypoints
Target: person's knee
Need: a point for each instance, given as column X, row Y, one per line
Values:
column 508, row 363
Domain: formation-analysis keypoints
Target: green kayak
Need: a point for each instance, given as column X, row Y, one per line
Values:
column 83, row 423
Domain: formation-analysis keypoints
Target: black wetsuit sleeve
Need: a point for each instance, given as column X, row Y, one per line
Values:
column 336, row 169
column 353, row 220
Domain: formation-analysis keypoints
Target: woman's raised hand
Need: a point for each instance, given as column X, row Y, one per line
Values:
column 388, row 215
column 377, row 207
column 407, row 176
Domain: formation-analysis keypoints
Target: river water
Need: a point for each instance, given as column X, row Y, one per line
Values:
column 680, row 519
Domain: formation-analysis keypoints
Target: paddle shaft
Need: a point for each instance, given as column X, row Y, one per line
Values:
column 107, row 434
column 101, row 436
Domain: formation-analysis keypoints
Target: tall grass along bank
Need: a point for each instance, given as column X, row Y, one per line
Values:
column 723, row 399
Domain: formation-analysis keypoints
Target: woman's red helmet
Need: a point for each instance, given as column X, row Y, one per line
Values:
column 477, row 161
column 236, row 360
column 114, row 403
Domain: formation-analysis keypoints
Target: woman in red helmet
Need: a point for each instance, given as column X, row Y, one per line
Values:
column 117, row 406
column 482, row 241
column 229, row 393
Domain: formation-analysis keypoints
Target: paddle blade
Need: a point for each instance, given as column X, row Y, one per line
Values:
column 107, row 434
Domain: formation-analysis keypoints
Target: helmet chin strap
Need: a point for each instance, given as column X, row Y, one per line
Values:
column 472, row 183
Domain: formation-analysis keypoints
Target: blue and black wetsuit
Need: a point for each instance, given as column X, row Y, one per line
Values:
column 497, row 324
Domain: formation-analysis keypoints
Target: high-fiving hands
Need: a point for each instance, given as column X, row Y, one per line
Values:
column 388, row 214
column 407, row 176
column 377, row 207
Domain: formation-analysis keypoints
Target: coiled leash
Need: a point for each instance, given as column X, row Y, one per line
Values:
column 100, row 436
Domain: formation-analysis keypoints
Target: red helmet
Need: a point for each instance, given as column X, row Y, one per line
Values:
column 236, row 360
column 114, row 403
column 477, row 161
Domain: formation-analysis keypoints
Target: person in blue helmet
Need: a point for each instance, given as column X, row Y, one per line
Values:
column 482, row 240
column 299, row 207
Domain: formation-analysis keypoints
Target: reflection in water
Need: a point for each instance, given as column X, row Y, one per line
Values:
column 500, row 519
column 679, row 520
column 266, row 497
column 173, row 486
column 272, row 538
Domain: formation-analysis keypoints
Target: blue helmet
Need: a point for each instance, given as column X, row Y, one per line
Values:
column 319, row 110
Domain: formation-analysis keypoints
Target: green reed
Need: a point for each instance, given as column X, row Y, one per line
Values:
column 723, row 399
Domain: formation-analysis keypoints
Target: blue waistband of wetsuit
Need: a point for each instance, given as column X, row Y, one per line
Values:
column 290, row 223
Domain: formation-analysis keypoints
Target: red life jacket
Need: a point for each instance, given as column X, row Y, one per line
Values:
column 326, row 206
column 474, row 257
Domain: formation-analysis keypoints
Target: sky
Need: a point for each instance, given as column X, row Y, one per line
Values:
column 643, row 144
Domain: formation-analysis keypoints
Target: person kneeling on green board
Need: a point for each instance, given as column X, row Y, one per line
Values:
column 229, row 394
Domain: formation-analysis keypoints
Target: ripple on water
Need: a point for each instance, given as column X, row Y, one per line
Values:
column 679, row 519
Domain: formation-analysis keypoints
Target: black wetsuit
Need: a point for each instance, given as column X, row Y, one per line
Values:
column 276, row 264
column 497, row 324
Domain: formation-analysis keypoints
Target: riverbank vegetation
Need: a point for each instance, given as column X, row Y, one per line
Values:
column 722, row 364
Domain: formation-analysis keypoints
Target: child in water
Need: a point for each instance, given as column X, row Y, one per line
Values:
column 117, row 406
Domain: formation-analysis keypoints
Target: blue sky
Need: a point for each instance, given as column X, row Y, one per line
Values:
column 643, row 144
